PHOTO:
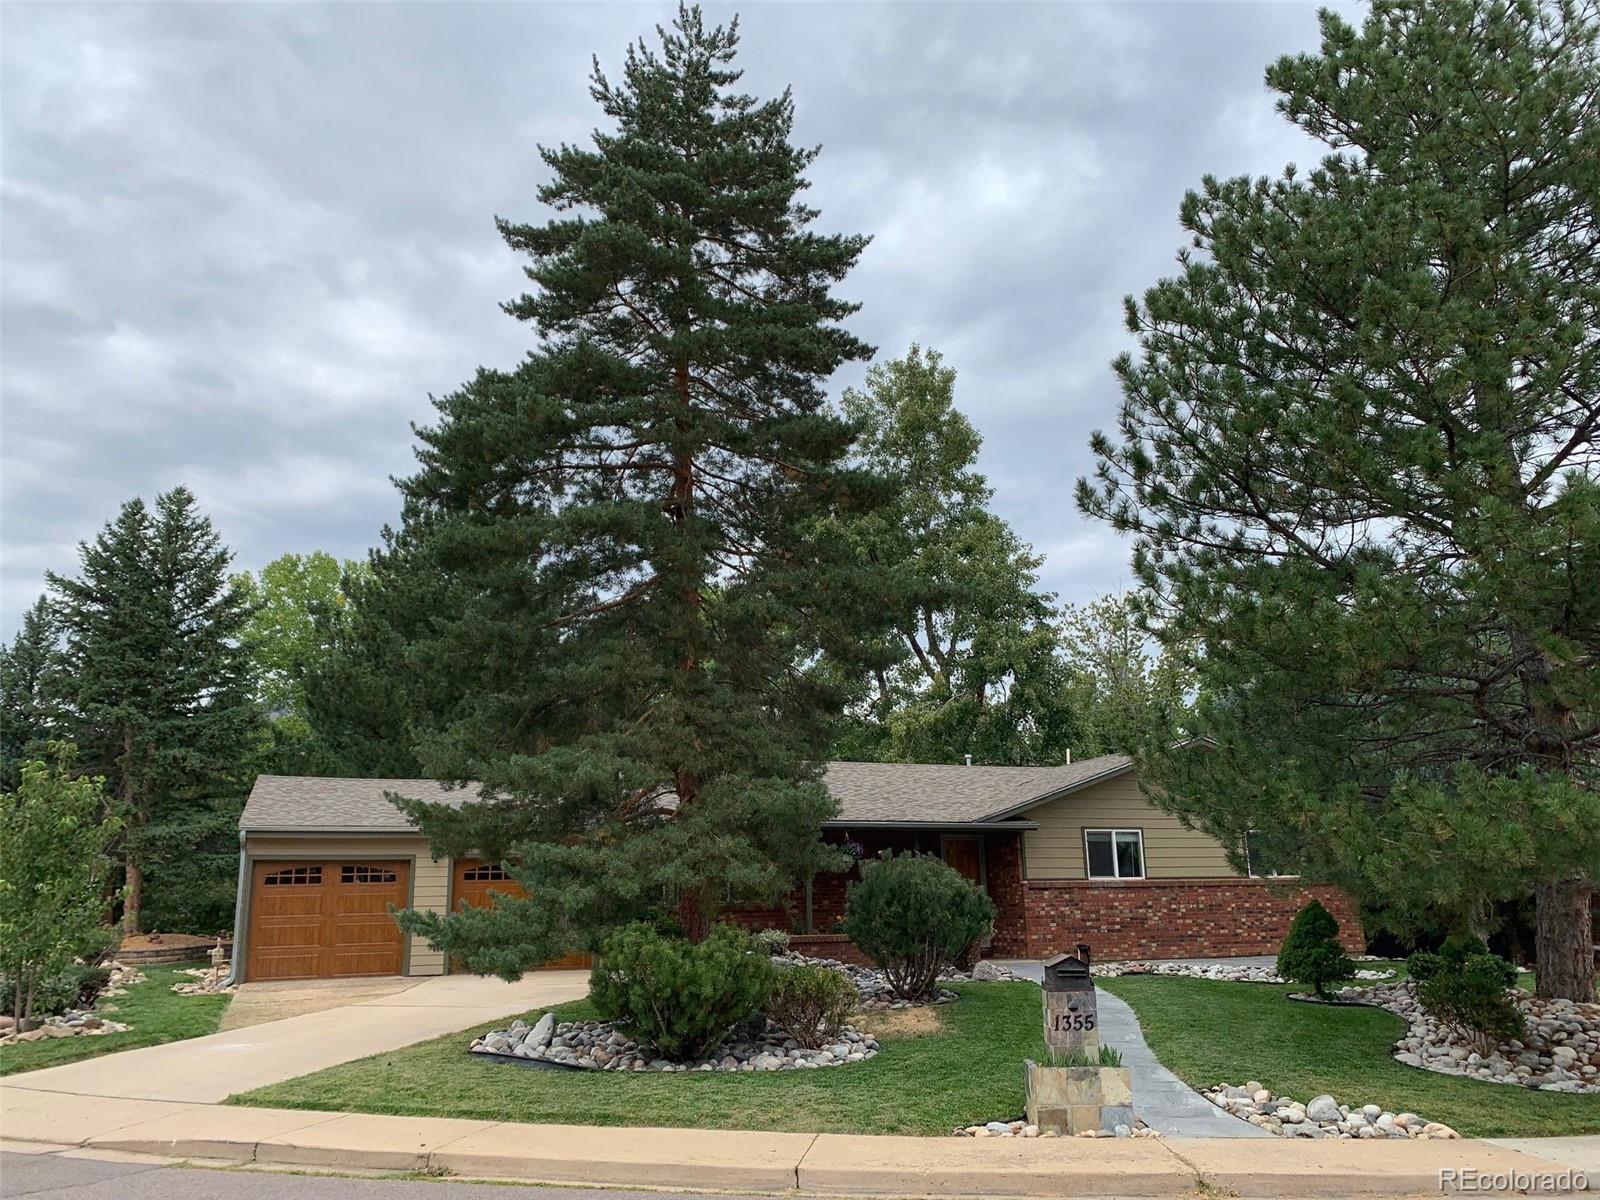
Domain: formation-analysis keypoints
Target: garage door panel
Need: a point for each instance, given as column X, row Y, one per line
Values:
column 477, row 883
column 325, row 920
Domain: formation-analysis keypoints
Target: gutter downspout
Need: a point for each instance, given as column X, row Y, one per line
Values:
column 235, row 968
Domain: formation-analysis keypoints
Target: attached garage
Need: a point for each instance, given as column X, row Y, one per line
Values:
column 325, row 920
column 475, row 884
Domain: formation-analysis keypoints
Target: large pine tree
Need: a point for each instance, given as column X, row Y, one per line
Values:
column 29, row 676
column 157, row 696
column 1358, row 453
column 639, row 525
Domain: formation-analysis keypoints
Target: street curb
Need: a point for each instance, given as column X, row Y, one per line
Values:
column 748, row 1161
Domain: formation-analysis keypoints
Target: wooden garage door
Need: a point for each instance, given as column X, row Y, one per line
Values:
column 325, row 920
column 475, row 883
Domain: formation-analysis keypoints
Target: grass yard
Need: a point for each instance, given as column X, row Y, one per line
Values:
column 156, row 1012
column 1211, row 1032
column 962, row 1066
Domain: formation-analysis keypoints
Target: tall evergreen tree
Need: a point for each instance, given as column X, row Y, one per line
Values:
column 638, row 525
column 29, row 676
column 158, row 699
column 970, row 664
column 1358, row 455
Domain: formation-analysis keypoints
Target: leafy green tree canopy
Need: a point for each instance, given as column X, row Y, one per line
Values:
column 54, row 867
column 1357, row 455
column 969, row 666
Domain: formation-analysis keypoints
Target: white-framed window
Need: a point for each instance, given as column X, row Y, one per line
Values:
column 1259, row 863
column 1113, row 853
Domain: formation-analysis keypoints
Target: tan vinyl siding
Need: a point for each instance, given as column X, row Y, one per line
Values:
column 430, row 877
column 1055, row 849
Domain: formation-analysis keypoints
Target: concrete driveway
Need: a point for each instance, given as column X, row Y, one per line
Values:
column 209, row 1069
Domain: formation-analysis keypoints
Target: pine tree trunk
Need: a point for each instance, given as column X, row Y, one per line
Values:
column 1565, row 939
column 133, row 904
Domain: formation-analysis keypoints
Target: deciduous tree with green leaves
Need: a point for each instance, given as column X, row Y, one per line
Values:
column 1357, row 452
column 970, row 664
column 640, row 524
column 157, row 696
column 1127, row 688
column 54, row 867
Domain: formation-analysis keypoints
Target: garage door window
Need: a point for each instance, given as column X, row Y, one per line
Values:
column 359, row 874
column 484, row 874
column 295, row 877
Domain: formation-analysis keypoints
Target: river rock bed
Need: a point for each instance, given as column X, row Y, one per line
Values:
column 72, row 1023
column 872, row 985
column 208, row 981
column 1224, row 971
column 600, row 1046
column 1321, row 1116
column 1021, row 1128
column 1560, row 1051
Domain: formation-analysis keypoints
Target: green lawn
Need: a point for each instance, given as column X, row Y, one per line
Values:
column 1210, row 1032
column 969, row 1069
column 156, row 1012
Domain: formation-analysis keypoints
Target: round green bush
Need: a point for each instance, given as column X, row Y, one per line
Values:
column 1311, row 953
column 1467, row 988
column 914, row 915
column 678, row 996
column 811, row 1003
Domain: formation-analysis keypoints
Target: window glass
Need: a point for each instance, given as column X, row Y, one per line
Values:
column 1130, row 854
column 1260, row 858
column 1101, row 863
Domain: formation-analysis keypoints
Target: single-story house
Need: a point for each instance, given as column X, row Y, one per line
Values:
column 1069, row 854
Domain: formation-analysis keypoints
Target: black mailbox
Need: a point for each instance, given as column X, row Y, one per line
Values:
column 1064, row 973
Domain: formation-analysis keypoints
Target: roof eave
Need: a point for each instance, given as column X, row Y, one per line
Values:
column 1057, row 793
column 983, row 826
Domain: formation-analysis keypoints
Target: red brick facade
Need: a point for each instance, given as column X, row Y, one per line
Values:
column 1174, row 918
column 1119, row 919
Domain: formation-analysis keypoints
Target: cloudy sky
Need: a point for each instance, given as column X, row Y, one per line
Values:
column 243, row 243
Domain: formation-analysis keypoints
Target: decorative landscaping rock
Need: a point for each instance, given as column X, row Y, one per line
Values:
column 600, row 1046
column 1021, row 1129
column 1560, row 1052
column 122, row 977
column 209, row 981
column 72, row 1023
column 872, row 986
column 1321, row 1117
column 1223, row 971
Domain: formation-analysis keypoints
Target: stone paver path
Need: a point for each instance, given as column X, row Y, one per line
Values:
column 1164, row 1102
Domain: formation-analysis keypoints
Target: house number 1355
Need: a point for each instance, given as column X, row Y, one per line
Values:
column 1072, row 1021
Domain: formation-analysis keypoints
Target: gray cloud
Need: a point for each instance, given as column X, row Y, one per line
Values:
column 243, row 244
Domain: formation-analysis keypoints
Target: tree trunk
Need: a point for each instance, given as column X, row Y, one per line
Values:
column 133, row 904
column 1565, row 939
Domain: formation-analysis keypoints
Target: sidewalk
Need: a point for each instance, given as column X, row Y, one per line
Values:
column 815, row 1164
column 210, row 1069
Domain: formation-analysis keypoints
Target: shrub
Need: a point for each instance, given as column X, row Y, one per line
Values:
column 677, row 996
column 77, row 986
column 811, row 1003
column 1311, row 954
column 773, row 941
column 913, row 915
column 1466, row 988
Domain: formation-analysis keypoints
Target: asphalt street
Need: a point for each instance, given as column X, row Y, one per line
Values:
column 54, row 1177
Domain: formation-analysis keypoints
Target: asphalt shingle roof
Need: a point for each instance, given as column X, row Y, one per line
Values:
column 868, row 793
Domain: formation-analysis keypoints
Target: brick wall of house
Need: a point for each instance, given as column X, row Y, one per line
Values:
column 1002, row 854
column 1177, row 918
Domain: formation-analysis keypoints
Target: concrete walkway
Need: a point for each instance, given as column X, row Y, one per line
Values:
column 730, row 1160
column 210, row 1069
column 1164, row 1102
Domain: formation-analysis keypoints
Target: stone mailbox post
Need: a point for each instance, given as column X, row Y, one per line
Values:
column 1071, row 1016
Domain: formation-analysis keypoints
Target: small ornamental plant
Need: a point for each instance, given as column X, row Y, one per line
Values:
column 811, row 1004
column 914, row 915
column 1311, row 954
column 678, row 996
column 1468, row 989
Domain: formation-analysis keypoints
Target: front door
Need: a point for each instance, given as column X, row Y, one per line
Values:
column 965, row 854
